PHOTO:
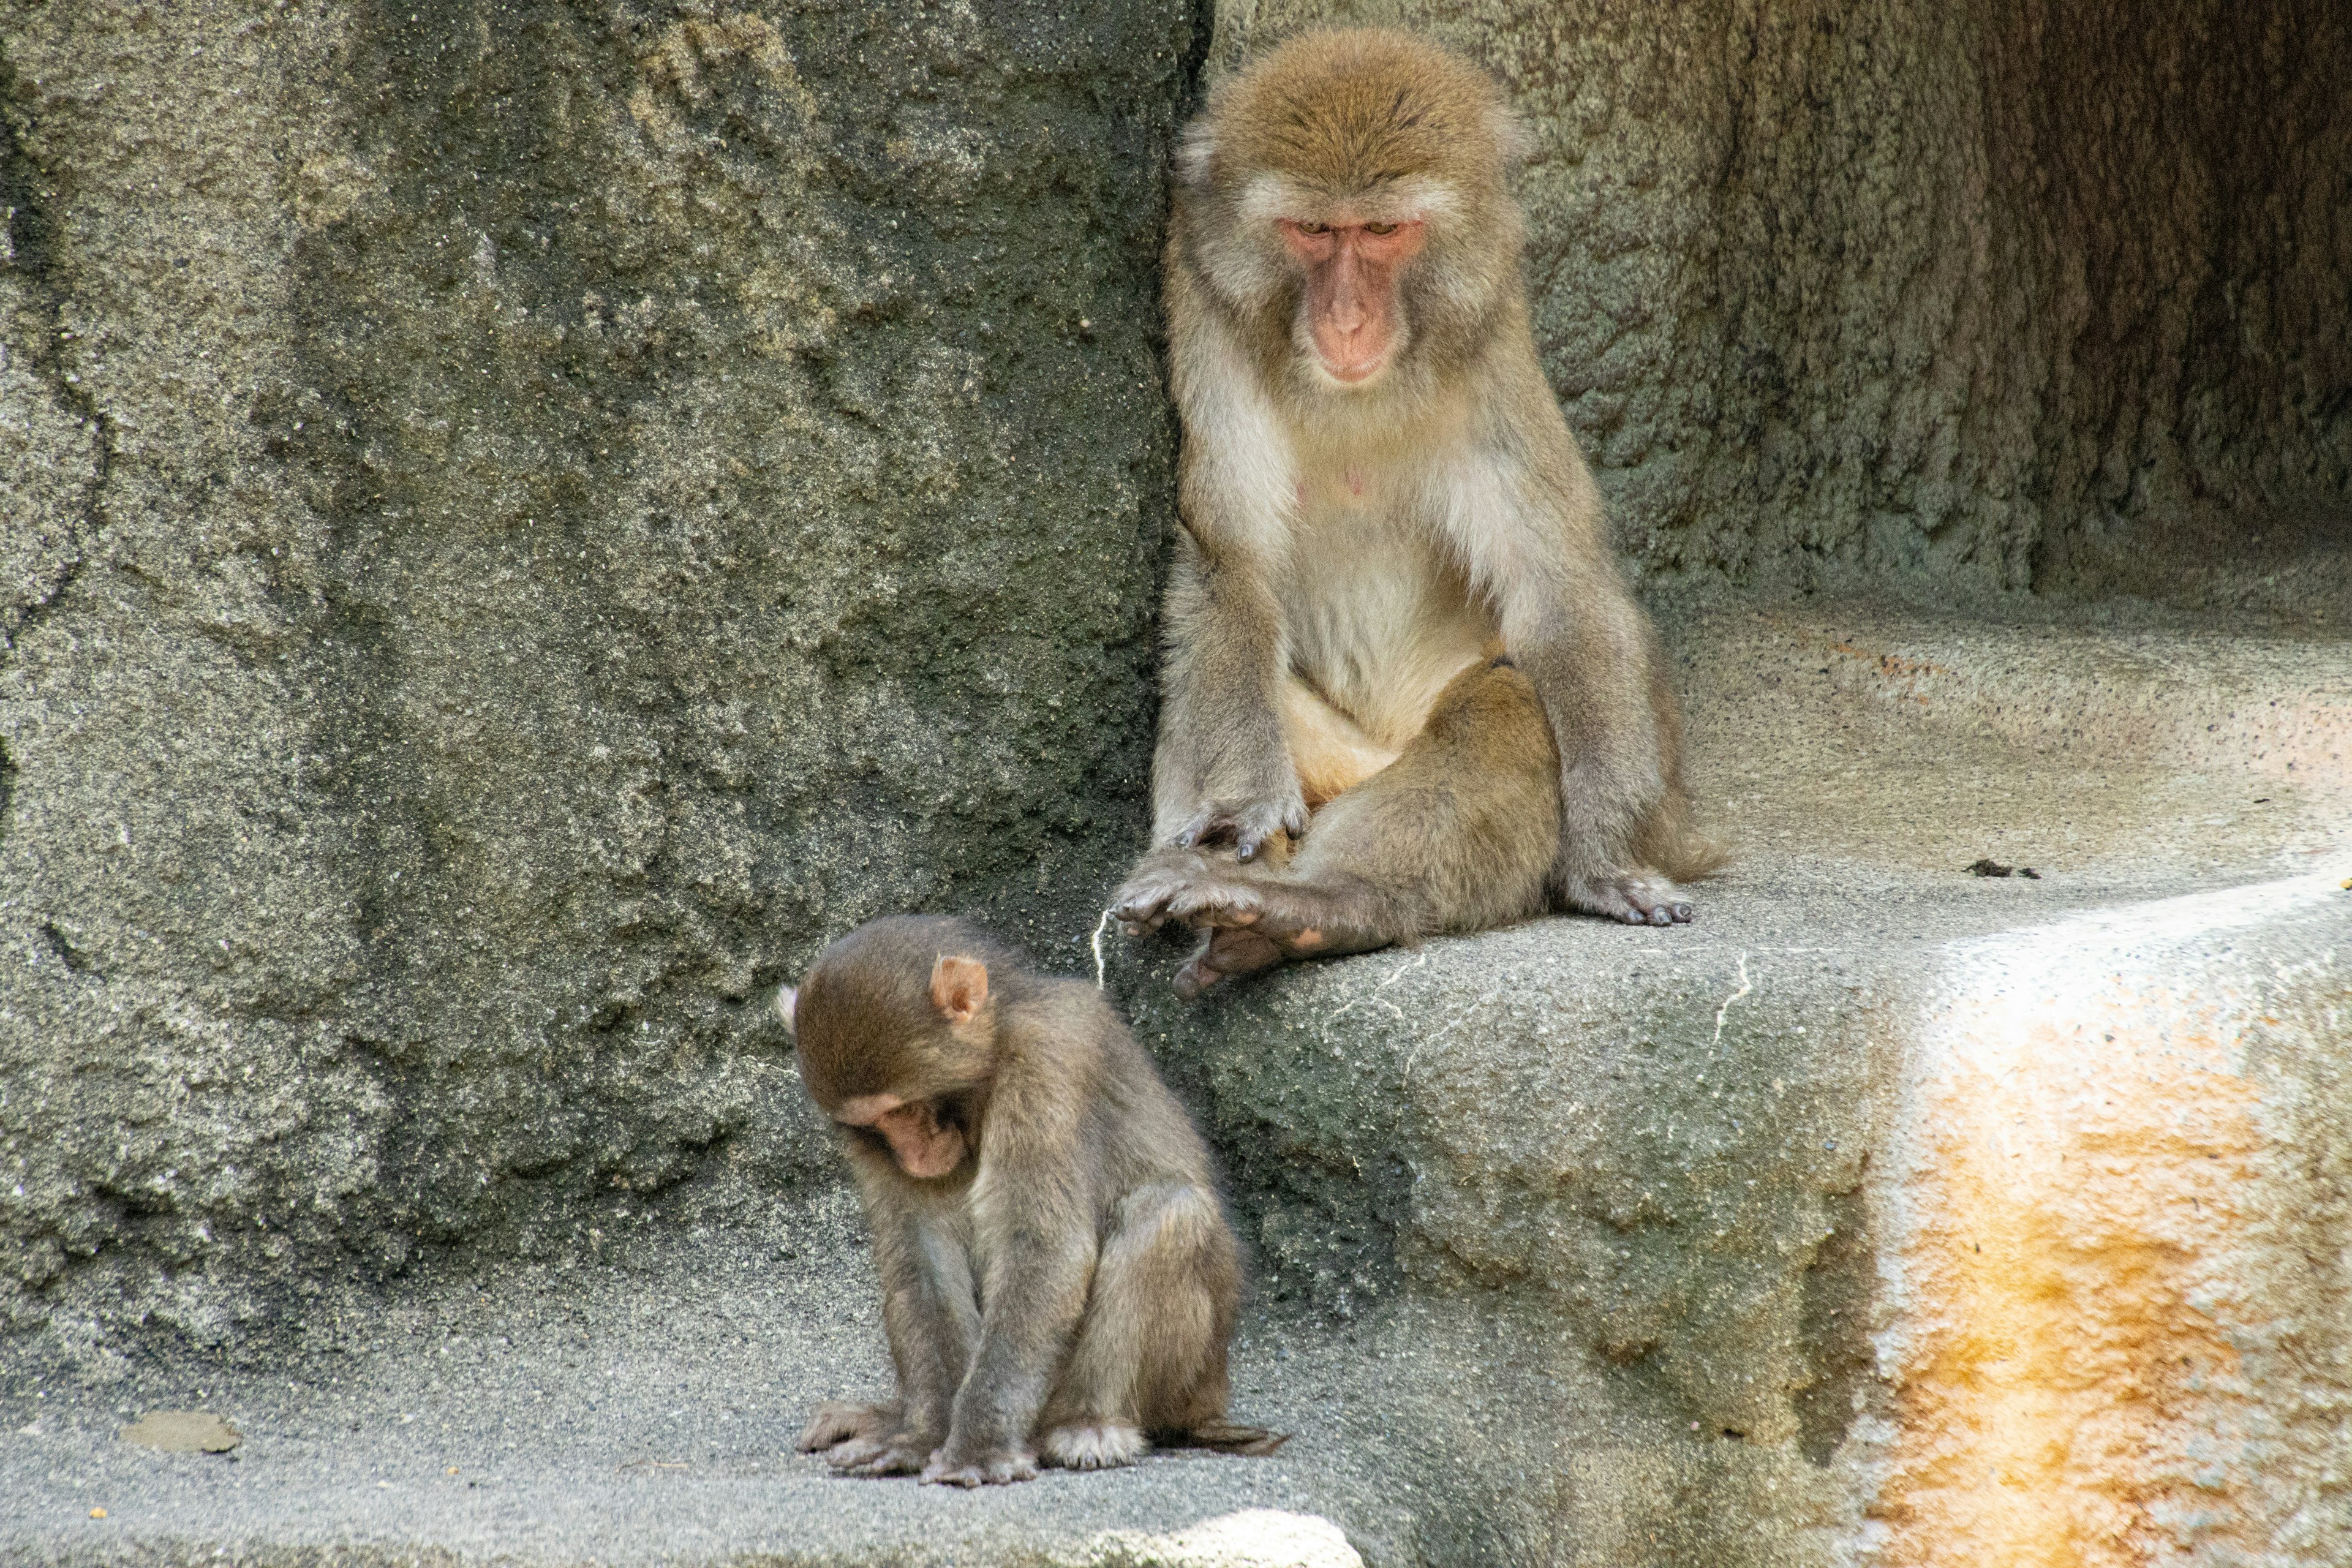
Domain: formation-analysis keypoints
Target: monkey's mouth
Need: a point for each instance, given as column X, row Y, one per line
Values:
column 1358, row 373
column 1353, row 373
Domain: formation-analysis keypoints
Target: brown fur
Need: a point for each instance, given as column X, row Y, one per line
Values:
column 1072, row 1285
column 1348, row 549
column 1456, row 834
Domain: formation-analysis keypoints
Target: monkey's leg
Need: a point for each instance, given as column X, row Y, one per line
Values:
column 929, row 1314
column 1151, row 1353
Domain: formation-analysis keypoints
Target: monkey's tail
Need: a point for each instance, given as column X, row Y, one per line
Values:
column 1230, row 1438
column 1673, row 843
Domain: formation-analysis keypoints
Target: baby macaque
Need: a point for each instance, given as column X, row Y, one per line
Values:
column 1058, row 1280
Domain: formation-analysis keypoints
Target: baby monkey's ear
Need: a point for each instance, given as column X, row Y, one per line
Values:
column 959, row 987
column 786, row 1000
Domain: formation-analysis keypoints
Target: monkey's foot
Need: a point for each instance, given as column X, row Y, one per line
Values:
column 1226, row 951
column 1103, row 1445
column 839, row 1421
column 884, row 1453
column 993, row 1469
column 1252, row 928
column 1628, row 899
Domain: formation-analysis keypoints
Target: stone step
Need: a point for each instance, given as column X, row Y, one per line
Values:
column 1888, row 1208
column 1889, row 1204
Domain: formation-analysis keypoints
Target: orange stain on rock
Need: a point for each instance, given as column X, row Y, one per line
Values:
column 2070, row 1398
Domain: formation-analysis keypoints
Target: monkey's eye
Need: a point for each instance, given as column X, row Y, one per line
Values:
column 1379, row 228
column 1314, row 229
column 867, row 1136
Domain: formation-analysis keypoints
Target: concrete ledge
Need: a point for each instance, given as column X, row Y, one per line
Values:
column 1890, row 1215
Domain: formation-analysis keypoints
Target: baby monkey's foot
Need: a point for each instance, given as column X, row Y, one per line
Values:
column 1631, row 900
column 839, row 1421
column 984, row 1469
column 899, row 1454
column 1099, row 1446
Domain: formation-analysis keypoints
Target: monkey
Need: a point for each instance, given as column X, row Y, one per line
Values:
column 1058, row 1278
column 1406, row 853
column 1377, row 490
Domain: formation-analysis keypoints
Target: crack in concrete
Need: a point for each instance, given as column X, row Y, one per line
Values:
column 1744, row 989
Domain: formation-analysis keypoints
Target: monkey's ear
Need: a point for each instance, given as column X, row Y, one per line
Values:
column 786, row 1000
column 959, row 985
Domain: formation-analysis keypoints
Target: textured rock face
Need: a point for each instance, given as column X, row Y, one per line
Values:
column 2007, row 293
column 521, row 520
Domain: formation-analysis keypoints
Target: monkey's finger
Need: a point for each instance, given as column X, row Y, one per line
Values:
column 1208, row 824
column 1142, row 913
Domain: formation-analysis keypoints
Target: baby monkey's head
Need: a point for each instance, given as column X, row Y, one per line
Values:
column 896, row 1037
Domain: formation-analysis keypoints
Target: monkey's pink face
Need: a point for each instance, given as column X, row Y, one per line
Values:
column 1352, row 273
column 925, row 1147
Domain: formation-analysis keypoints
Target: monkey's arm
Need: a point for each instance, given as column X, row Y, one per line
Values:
column 1030, row 1201
column 1223, row 770
column 929, row 1315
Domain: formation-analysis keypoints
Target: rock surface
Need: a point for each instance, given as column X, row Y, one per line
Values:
column 520, row 524
column 1886, row 1207
column 2001, row 293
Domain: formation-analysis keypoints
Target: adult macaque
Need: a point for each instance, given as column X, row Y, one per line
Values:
column 1057, row 1276
column 1378, row 492
column 1407, row 853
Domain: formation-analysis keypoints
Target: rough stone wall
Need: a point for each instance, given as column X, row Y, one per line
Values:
column 521, row 520
column 2007, row 293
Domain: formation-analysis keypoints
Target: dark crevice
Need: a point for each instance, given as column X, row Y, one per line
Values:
column 1191, row 86
column 7, row 793
column 32, row 614
column 71, row 956
column 31, row 242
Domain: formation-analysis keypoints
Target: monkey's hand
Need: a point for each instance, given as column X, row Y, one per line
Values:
column 1142, row 902
column 953, row 1465
column 1251, row 827
column 1632, row 900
